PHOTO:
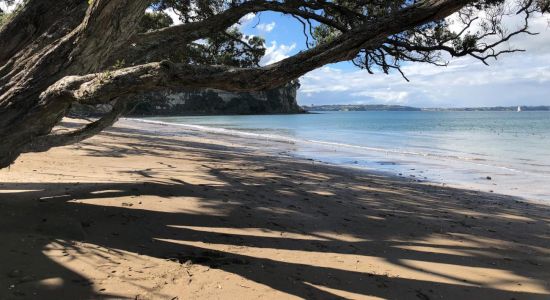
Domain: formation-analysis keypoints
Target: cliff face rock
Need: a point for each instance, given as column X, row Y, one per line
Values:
column 211, row 101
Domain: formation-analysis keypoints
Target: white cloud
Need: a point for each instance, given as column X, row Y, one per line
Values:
column 514, row 79
column 387, row 96
column 266, row 27
column 9, row 8
column 245, row 20
column 173, row 15
column 275, row 52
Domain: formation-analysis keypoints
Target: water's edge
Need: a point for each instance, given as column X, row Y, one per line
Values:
column 323, row 151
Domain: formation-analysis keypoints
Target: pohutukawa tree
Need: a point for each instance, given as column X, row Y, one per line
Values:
column 54, row 53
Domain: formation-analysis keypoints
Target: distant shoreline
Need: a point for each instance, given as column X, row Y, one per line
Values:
column 380, row 107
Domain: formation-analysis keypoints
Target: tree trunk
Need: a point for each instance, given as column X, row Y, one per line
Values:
column 24, row 113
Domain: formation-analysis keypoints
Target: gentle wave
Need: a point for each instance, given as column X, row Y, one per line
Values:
column 460, row 149
column 473, row 160
column 223, row 131
column 290, row 140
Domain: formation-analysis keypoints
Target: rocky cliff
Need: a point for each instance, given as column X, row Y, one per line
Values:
column 209, row 102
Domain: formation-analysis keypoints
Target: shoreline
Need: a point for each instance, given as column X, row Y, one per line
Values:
column 320, row 152
column 130, row 215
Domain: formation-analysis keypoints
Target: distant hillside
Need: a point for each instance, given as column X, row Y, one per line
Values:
column 358, row 107
column 494, row 108
column 381, row 107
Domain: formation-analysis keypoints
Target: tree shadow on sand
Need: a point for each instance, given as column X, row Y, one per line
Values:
column 313, row 205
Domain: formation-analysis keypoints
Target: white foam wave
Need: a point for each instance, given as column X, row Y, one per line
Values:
column 291, row 140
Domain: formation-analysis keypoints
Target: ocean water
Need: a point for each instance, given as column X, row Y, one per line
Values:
column 458, row 148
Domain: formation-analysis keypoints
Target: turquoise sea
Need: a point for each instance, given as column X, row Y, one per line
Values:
column 459, row 148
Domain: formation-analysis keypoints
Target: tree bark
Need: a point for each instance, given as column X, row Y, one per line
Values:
column 36, row 18
column 24, row 114
column 56, row 63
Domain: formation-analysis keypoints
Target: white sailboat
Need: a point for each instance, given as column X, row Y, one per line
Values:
column 519, row 108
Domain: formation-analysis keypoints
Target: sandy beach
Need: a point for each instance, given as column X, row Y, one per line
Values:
column 129, row 215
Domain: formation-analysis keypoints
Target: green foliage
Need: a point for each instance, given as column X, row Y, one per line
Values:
column 155, row 20
column 230, row 47
column 3, row 18
column 105, row 76
column 324, row 34
column 119, row 64
column 108, row 74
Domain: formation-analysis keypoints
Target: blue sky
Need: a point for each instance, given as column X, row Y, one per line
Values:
column 514, row 79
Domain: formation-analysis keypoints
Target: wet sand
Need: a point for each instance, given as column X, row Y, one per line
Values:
column 131, row 215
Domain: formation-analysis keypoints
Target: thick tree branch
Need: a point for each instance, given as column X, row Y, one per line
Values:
column 158, row 44
column 34, row 19
column 46, row 142
column 60, row 24
column 103, row 87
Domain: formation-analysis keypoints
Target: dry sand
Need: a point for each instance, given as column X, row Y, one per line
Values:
column 129, row 215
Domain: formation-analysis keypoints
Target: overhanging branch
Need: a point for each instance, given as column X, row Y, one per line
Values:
column 156, row 45
column 46, row 142
column 104, row 87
